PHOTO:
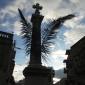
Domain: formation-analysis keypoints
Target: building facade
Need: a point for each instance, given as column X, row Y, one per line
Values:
column 7, row 56
column 75, row 64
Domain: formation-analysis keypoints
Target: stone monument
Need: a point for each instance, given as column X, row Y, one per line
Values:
column 35, row 73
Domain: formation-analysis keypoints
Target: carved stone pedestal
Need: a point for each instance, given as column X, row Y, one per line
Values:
column 38, row 75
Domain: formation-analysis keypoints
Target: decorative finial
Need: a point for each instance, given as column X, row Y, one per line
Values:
column 37, row 7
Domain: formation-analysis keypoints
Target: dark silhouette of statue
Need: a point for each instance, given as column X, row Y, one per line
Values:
column 36, row 46
column 35, row 73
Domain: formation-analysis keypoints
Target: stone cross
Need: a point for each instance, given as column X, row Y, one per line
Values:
column 37, row 7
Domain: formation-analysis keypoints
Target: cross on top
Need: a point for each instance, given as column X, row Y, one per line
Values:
column 37, row 7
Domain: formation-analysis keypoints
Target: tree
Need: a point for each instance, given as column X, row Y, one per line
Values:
column 47, row 35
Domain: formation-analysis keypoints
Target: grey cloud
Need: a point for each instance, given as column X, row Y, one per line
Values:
column 51, row 9
column 82, row 21
column 4, row 3
column 9, row 14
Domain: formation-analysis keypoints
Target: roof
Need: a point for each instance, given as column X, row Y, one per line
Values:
column 77, row 47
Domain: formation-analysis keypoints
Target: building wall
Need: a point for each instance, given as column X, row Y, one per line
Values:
column 75, row 63
column 7, row 55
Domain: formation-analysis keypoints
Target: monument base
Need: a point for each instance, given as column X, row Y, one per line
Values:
column 38, row 75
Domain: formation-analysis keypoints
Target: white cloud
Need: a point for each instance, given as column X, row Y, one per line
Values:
column 58, row 52
column 55, row 80
column 10, row 14
column 17, row 26
column 76, row 31
column 56, row 59
column 18, row 72
column 51, row 9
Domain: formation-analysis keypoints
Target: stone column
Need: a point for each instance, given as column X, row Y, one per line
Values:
column 35, row 55
column 35, row 73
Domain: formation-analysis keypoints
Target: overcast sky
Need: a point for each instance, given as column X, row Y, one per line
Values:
column 71, row 31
